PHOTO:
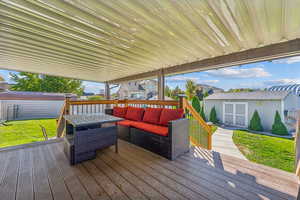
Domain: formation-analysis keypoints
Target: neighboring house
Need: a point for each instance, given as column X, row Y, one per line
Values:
column 3, row 85
column 145, row 89
column 236, row 109
column 156, row 98
column 16, row 105
column 294, row 88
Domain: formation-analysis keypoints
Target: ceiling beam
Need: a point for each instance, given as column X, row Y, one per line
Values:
column 270, row 52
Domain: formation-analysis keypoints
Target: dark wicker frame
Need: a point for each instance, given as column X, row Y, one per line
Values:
column 170, row 147
column 82, row 144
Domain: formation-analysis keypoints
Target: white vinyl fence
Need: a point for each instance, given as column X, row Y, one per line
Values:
column 2, row 114
column 29, row 109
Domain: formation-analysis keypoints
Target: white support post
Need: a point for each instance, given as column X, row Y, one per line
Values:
column 161, row 85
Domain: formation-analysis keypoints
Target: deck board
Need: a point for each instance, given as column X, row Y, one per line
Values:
column 9, row 182
column 43, row 172
column 25, row 180
column 75, row 187
column 208, row 184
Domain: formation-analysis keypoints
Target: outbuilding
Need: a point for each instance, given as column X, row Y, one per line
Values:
column 236, row 109
column 16, row 105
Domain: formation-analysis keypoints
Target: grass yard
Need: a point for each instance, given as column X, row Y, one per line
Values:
column 271, row 151
column 25, row 131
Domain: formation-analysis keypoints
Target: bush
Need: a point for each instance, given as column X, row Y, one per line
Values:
column 213, row 116
column 196, row 104
column 255, row 123
column 202, row 113
column 95, row 98
column 278, row 127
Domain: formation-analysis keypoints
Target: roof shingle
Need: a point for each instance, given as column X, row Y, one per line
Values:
column 257, row 95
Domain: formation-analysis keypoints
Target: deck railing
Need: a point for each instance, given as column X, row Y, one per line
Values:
column 200, row 132
column 297, row 147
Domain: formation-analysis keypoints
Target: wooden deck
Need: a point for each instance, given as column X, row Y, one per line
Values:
column 43, row 172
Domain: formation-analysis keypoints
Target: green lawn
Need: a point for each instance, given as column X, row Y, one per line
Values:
column 271, row 151
column 25, row 131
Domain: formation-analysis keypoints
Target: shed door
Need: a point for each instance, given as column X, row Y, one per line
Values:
column 228, row 113
column 235, row 113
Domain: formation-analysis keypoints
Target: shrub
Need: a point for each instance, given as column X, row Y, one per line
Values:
column 213, row 116
column 255, row 123
column 278, row 127
column 202, row 113
column 196, row 104
column 95, row 98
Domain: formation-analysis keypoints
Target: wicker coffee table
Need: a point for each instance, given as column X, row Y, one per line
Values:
column 87, row 133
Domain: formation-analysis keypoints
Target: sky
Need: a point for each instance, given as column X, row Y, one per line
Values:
column 256, row 75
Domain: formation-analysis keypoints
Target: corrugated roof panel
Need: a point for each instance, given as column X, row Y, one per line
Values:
column 104, row 40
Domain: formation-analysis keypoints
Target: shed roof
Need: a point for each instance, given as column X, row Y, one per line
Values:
column 257, row 95
column 18, row 95
column 103, row 40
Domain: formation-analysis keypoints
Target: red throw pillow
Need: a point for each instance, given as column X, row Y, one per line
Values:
column 119, row 111
column 152, row 115
column 169, row 115
column 135, row 114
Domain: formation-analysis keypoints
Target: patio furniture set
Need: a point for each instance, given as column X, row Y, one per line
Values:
column 160, row 130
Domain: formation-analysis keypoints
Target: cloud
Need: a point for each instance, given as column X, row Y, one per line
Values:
column 195, row 79
column 181, row 78
column 92, row 87
column 239, row 73
column 208, row 81
column 290, row 60
column 284, row 81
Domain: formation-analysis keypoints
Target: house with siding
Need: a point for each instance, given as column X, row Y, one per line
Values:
column 145, row 89
column 236, row 109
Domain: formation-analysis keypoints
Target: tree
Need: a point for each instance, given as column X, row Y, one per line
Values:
column 199, row 94
column 190, row 89
column 278, row 127
column 241, row 90
column 196, row 104
column 177, row 91
column 255, row 123
column 168, row 91
column 25, row 81
column 206, row 94
column 213, row 116
column 202, row 113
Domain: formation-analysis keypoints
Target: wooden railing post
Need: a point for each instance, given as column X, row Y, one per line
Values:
column 64, row 111
column 297, row 147
column 67, row 103
column 181, row 100
column 209, row 139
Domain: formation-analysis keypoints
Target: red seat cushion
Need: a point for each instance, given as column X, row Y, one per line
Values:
column 152, row 115
column 119, row 111
column 152, row 128
column 126, row 123
column 169, row 115
column 135, row 114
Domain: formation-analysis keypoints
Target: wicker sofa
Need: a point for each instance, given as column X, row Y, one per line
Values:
column 162, row 131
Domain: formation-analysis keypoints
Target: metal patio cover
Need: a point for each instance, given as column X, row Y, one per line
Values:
column 106, row 40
